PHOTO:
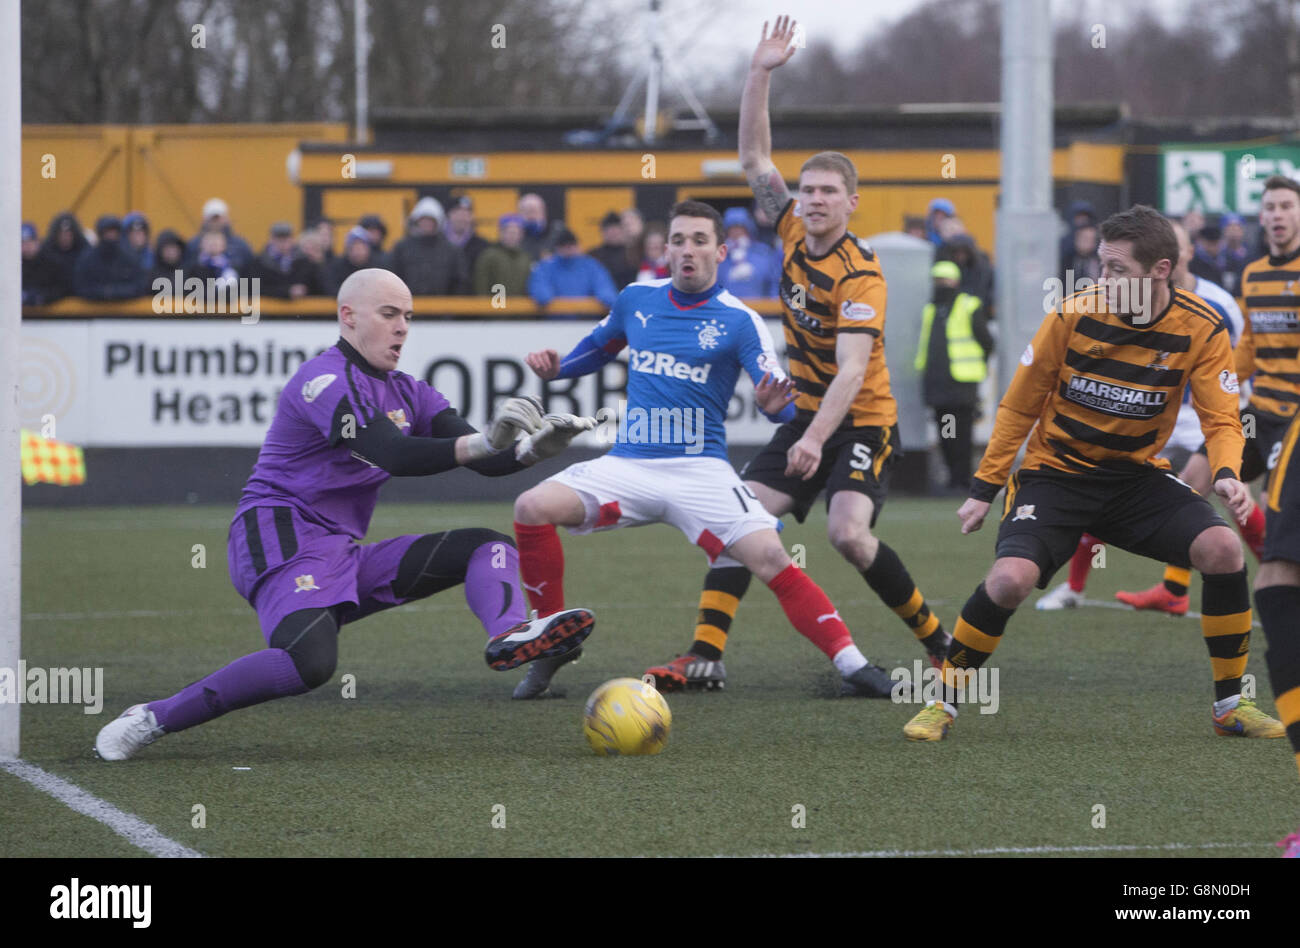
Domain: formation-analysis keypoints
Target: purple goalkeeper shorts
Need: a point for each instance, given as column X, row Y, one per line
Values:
column 281, row 563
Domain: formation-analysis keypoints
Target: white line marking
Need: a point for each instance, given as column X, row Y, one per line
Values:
column 134, row 830
column 1104, row 604
column 1001, row 851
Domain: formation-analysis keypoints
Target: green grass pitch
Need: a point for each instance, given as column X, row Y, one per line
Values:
column 1097, row 707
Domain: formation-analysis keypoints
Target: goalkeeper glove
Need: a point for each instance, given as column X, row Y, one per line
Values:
column 521, row 415
column 553, row 437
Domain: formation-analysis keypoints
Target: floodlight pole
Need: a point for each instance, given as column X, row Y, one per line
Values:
column 11, row 497
column 654, row 70
column 1026, row 223
column 361, row 40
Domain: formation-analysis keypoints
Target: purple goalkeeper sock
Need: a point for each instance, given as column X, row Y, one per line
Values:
column 246, row 681
column 492, row 587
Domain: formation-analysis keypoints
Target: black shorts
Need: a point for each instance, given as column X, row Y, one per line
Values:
column 856, row 459
column 1150, row 513
column 1258, row 456
column 1282, row 506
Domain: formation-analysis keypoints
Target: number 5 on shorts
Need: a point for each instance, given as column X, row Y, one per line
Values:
column 861, row 457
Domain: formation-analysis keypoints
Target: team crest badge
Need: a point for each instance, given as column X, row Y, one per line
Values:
column 1095, row 351
column 710, row 333
column 398, row 417
column 317, row 385
column 305, row 583
column 859, row 312
column 1024, row 512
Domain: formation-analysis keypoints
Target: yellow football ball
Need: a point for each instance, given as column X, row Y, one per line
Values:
column 626, row 716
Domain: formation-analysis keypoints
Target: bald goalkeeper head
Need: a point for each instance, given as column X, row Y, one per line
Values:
column 375, row 313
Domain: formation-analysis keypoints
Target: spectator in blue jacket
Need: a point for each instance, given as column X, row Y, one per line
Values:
column 570, row 272
column 108, row 271
column 940, row 210
column 137, row 238
column 751, row 268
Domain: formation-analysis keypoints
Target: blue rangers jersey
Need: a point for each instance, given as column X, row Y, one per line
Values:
column 685, row 354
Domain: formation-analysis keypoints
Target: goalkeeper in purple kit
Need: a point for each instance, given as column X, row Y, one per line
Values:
column 345, row 423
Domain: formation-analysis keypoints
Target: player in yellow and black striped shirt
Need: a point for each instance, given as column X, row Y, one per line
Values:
column 844, row 436
column 1097, row 393
column 1269, row 351
column 1270, row 303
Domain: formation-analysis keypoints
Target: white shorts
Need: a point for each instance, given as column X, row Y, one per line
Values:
column 702, row 497
column 1187, row 433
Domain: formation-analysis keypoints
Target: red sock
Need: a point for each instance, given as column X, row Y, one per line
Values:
column 1081, row 562
column 808, row 609
column 541, row 566
column 1252, row 531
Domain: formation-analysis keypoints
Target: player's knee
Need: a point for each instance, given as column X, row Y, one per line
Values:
column 1217, row 550
column 530, row 507
column 471, row 538
column 855, row 543
column 1010, row 582
column 437, row 561
column 767, row 560
column 311, row 638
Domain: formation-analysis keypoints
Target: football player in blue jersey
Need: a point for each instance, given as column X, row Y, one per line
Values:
column 688, row 340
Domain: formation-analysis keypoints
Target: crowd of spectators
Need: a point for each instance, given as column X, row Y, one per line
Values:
column 440, row 253
column 1222, row 248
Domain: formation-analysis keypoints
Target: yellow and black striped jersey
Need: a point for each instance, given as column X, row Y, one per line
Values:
column 1270, row 340
column 1102, row 394
column 839, row 291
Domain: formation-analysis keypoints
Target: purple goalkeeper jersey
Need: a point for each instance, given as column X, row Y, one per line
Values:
column 306, row 462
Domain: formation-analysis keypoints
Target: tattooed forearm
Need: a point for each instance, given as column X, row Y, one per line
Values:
column 770, row 192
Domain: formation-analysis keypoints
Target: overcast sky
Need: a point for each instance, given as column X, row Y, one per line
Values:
column 715, row 32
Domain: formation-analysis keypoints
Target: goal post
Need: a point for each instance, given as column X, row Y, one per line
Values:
column 10, row 347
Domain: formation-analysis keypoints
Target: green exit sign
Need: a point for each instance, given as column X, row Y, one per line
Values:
column 474, row 166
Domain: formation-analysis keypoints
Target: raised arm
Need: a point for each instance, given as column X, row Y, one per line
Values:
column 755, row 132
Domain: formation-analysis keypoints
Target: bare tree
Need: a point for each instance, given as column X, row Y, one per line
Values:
column 280, row 60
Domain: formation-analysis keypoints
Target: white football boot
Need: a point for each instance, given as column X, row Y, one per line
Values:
column 123, row 736
column 1062, row 597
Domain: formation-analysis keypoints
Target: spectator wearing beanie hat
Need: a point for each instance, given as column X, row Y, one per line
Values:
column 505, row 264
column 428, row 262
column 357, row 254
